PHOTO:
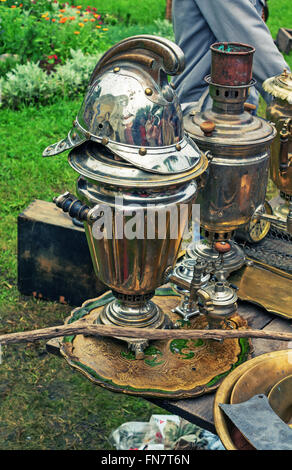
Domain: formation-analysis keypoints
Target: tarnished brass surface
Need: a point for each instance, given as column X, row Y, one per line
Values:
column 266, row 286
column 280, row 398
column 172, row 369
column 260, row 378
column 238, row 144
column 265, row 370
column 280, row 112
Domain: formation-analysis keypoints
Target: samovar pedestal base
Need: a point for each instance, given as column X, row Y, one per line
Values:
column 134, row 311
column 172, row 368
column 232, row 261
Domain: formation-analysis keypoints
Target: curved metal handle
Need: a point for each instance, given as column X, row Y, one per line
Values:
column 165, row 55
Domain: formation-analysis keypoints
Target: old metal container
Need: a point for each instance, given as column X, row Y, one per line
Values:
column 238, row 147
column 137, row 177
column 280, row 113
column 239, row 150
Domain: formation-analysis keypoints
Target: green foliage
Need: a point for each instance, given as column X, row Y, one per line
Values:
column 280, row 16
column 7, row 62
column 34, row 37
column 29, row 84
column 130, row 12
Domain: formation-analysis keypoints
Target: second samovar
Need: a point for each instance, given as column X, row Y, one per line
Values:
column 280, row 113
column 238, row 147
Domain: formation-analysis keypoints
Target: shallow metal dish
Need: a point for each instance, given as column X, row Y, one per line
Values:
column 280, row 398
column 266, row 370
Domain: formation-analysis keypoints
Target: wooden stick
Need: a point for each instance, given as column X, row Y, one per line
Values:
column 82, row 327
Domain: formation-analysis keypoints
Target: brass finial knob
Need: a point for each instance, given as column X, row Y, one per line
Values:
column 208, row 128
column 222, row 247
column 148, row 91
column 142, row 151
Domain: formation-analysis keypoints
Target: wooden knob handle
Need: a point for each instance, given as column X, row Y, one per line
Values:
column 207, row 127
column 222, row 247
column 249, row 107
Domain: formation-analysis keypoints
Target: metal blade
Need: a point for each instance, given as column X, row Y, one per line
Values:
column 259, row 424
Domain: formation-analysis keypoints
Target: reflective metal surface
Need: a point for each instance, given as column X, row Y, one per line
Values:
column 132, row 110
column 239, row 167
column 280, row 399
column 264, row 285
column 232, row 260
column 259, row 424
column 280, row 112
column 137, row 177
column 269, row 368
column 136, row 265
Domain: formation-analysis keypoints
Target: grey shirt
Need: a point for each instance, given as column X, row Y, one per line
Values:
column 199, row 23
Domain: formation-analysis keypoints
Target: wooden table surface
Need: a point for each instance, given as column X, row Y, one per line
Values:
column 200, row 410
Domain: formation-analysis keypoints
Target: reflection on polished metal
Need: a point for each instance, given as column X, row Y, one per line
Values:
column 215, row 299
column 258, row 375
column 133, row 108
column 132, row 172
column 239, row 151
column 185, row 270
column 232, row 260
column 280, row 113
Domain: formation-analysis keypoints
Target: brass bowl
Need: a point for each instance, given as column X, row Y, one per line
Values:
column 280, row 398
column 265, row 371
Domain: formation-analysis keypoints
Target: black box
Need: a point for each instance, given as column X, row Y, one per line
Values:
column 54, row 262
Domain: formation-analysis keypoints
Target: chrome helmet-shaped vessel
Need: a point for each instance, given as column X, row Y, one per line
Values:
column 130, row 108
column 129, row 147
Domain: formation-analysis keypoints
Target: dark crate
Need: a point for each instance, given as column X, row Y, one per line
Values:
column 53, row 256
column 284, row 40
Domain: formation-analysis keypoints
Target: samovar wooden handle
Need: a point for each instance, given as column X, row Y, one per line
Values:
column 249, row 107
column 207, row 127
column 169, row 56
column 75, row 208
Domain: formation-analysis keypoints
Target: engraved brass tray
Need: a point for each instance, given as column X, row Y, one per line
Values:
column 170, row 369
column 266, row 286
column 258, row 375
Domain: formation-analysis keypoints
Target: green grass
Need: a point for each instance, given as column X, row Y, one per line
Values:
column 129, row 11
column 44, row 404
column 280, row 16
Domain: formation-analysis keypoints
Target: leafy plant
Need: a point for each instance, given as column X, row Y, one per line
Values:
column 30, row 84
column 36, row 36
column 7, row 62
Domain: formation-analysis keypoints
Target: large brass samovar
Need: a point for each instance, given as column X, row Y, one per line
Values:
column 280, row 112
column 238, row 147
column 137, row 177
column 137, row 186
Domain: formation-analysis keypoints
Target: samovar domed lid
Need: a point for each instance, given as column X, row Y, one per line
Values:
column 280, row 86
column 131, row 109
column 229, row 123
column 213, row 130
column 97, row 163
